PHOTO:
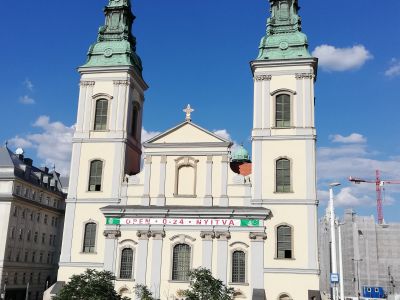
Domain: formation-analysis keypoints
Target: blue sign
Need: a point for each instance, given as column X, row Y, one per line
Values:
column 334, row 277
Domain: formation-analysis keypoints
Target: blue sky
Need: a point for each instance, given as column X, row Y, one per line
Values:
column 198, row 52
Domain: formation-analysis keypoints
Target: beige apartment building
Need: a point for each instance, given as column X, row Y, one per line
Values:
column 31, row 222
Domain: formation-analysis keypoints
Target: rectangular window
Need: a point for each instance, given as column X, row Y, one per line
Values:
column 283, row 184
column 35, row 237
column 284, row 242
column 45, row 219
column 89, row 238
column 100, row 121
column 282, row 114
column 126, row 263
column 238, row 267
column 43, row 238
column 96, row 172
column 33, row 256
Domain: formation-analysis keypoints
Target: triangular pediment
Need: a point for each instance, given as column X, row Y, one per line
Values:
column 187, row 133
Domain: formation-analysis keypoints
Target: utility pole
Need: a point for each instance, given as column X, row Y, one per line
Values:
column 341, row 278
column 334, row 274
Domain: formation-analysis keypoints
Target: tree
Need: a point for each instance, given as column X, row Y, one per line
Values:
column 203, row 286
column 143, row 292
column 91, row 285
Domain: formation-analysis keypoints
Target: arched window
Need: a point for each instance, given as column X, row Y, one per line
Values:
column 282, row 111
column 96, row 171
column 89, row 240
column 238, row 267
column 284, row 242
column 126, row 263
column 283, row 180
column 181, row 262
column 284, row 297
column 100, row 118
column 135, row 120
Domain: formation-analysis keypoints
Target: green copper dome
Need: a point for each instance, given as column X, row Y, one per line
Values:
column 115, row 46
column 284, row 39
column 241, row 155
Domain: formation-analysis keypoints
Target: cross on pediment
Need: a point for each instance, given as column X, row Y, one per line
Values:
column 188, row 110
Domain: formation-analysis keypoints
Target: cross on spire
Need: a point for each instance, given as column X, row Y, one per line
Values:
column 188, row 110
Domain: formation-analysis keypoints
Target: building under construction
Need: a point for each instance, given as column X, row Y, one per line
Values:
column 371, row 254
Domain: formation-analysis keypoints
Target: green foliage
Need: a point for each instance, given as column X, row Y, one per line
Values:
column 91, row 285
column 203, row 286
column 143, row 292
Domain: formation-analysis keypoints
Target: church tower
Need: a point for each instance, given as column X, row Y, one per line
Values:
column 283, row 142
column 107, row 140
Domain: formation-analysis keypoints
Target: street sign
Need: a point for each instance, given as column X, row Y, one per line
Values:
column 334, row 277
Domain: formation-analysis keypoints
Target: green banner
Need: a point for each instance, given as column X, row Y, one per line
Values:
column 113, row 221
column 184, row 222
column 249, row 223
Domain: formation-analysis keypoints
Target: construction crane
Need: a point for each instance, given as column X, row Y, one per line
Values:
column 379, row 184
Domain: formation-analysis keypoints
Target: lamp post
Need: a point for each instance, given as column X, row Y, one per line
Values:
column 334, row 275
column 341, row 262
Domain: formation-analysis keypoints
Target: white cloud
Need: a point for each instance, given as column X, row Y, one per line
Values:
column 341, row 59
column 29, row 85
column 354, row 138
column 226, row 135
column 52, row 143
column 223, row 133
column 26, row 100
column 147, row 135
column 394, row 69
column 352, row 157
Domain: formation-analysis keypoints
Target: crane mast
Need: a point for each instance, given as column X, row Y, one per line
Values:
column 379, row 184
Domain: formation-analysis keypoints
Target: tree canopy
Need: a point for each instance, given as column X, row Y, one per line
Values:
column 203, row 286
column 91, row 285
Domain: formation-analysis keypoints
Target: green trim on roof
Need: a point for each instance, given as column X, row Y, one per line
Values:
column 115, row 46
column 284, row 39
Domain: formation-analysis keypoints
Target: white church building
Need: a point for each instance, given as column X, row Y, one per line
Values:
column 194, row 203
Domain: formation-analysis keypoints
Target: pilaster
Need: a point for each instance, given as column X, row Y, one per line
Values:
column 122, row 104
column 266, row 100
column 66, row 249
column 141, row 259
column 110, row 249
column 88, row 105
column 224, row 201
column 208, row 180
column 147, row 176
column 156, row 261
column 257, row 259
column 207, row 247
column 222, row 252
column 160, row 201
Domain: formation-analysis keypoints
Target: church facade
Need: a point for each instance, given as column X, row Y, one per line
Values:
column 192, row 204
